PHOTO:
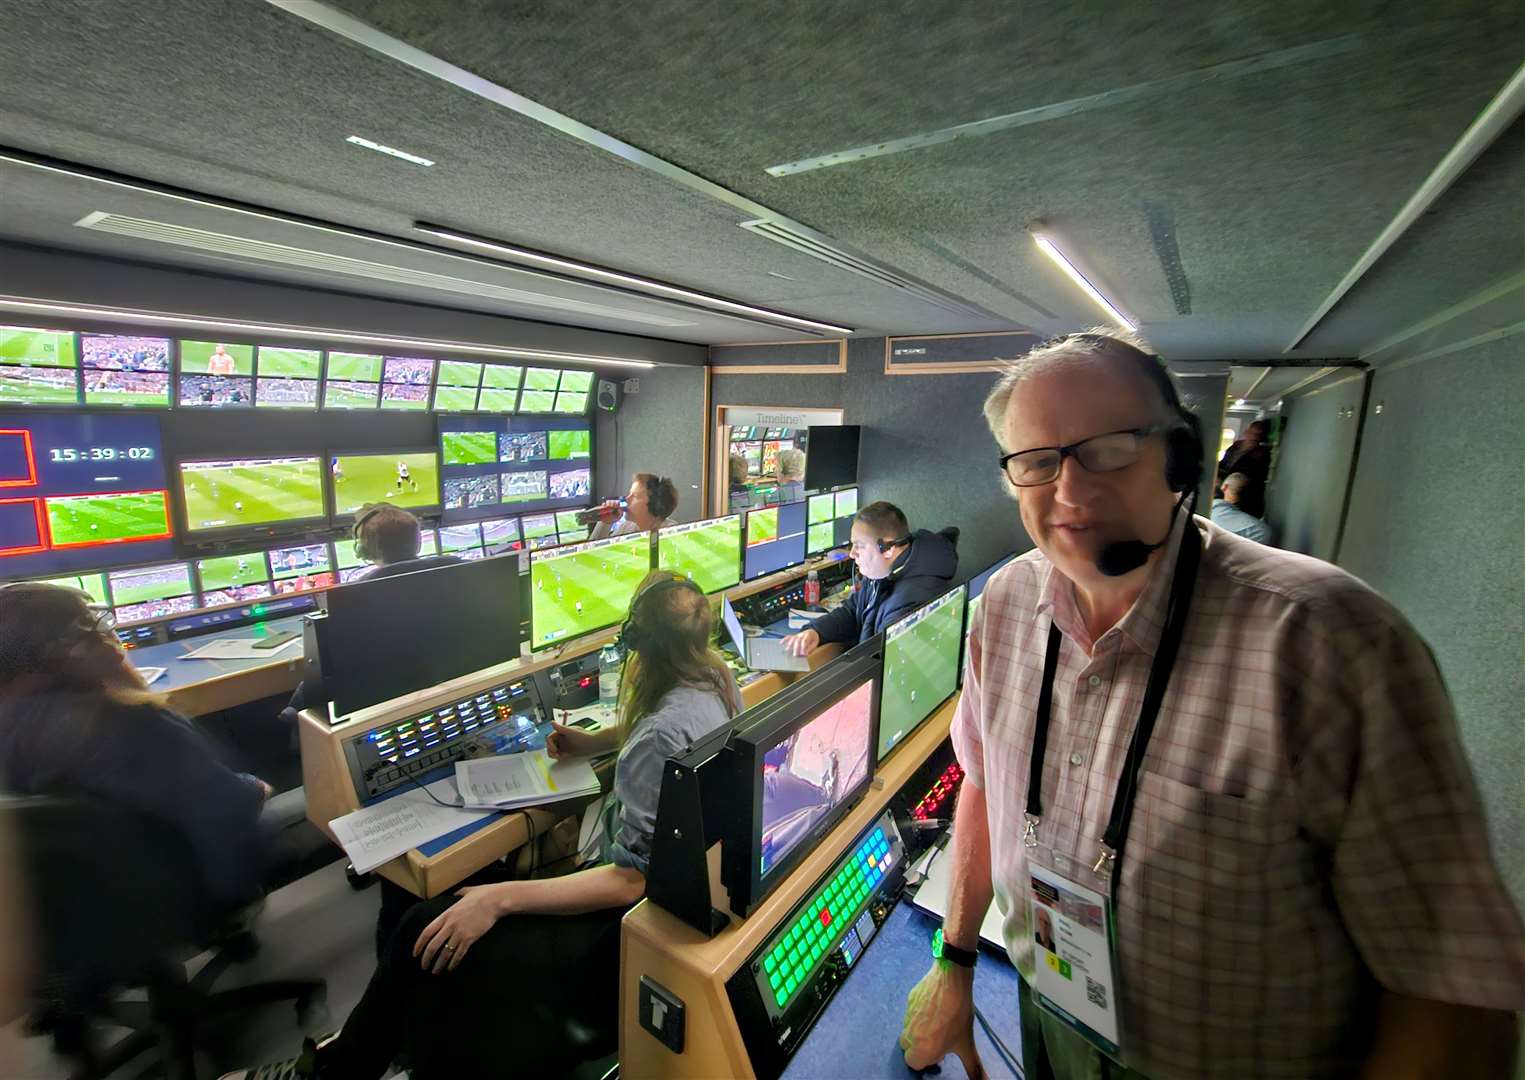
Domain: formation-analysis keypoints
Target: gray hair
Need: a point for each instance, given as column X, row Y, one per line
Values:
column 1089, row 348
column 791, row 463
column 1236, row 482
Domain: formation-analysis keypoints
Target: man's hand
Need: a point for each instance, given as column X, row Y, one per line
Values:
column 939, row 1020
column 803, row 643
column 564, row 741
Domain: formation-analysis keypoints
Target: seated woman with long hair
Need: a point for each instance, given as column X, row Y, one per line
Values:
column 472, row 983
column 76, row 719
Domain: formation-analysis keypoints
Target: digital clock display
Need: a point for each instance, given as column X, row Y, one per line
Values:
column 80, row 492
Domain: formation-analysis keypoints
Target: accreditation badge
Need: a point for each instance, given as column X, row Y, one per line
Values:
column 1075, row 954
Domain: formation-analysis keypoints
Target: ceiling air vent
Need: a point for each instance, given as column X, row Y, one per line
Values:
column 244, row 249
column 817, row 247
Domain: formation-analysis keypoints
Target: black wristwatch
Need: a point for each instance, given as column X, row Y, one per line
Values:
column 952, row 953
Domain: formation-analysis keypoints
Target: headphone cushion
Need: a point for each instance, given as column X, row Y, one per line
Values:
column 1183, row 459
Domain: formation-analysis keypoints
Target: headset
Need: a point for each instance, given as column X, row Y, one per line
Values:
column 630, row 630
column 362, row 548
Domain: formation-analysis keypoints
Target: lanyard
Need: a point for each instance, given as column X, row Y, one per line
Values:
column 1116, row 835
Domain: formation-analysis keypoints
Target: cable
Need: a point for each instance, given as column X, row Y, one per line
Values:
column 1000, row 1047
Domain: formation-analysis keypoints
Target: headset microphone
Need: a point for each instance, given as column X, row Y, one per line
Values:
column 1125, row 556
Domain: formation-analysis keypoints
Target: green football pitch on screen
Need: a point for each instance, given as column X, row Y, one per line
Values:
column 289, row 363
column 75, row 520
column 354, row 367
column 376, row 478
column 151, row 583
column 234, row 494
column 37, row 385
column 469, row 447
column 586, row 589
column 920, row 666
column 94, row 584
column 569, row 445
column 818, row 509
column 216, row 358
column 230, row 571
column 40, row 348
column 709, row 555
column 762, row 526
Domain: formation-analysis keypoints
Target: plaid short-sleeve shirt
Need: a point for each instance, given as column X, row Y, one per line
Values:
column 1306, row 830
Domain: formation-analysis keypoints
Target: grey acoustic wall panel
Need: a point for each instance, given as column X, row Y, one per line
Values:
column 660, row 429
column 1437, row 525
column 1312, row 471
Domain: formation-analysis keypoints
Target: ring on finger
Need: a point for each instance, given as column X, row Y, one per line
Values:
column 450, row 946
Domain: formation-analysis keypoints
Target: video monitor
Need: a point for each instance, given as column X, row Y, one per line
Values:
column 469, row 447
column 459, row 619
column 80, row 492
column 921, row 666
column 456, row 387
column 831, row 520
column 125, row 369
column 93, row 585
column 572, row 484
column 570, row 445
column 501, row 535
column 775, row 540
column 233, row 579
column 216, row 375
column 152, row 592
column 568, row 527
column 242, row 493
column 526, row 487
column 846, row 502
column 464, row 541
column 831, row 456
column 38, row 367
column 819, row 509
column 541, row 378
column 799, row 761
column 708, row 553
column 578, row 589
column 537, row 401
column 300, row 569
column 466, row 492
column 353, row 382
column 500, row 388
column 405, row 383
column 515, row 447
column 286, row 378
column 405, row 478
column 539, row 528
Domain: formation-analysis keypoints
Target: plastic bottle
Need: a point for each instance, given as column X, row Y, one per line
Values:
column 812, row 589
column 609, row 676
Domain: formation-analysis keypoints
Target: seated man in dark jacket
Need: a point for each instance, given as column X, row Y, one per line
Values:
column 901, row 570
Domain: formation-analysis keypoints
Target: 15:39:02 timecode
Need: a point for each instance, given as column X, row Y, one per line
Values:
column 67, row 454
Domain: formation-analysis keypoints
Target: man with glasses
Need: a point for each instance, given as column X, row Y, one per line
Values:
column 1228, row 776
column 901, row 570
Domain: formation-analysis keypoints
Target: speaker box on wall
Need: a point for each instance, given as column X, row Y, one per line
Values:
column 608, row 395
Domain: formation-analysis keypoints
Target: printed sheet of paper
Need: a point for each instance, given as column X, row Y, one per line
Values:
column 524, row 779
column 379, row 833
column 239, row 649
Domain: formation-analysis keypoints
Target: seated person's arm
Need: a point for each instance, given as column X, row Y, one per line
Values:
column 566, row 741
column 840, row 624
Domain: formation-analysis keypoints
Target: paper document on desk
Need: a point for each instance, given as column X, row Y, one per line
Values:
column 380, row 833
column 238, row 649
column 530, row 778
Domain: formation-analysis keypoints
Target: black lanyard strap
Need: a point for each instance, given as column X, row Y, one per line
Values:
column 1187, row 563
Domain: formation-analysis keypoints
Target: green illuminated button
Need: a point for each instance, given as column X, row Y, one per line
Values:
column 790, row 984
column 775, row 980
column 781, row 996
column 769, row 964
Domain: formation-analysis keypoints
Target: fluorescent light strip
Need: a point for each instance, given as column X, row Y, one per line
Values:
column 712, row 303
column 390, row 151
column 1078, row 278
column 627, row 280
column 159, row 318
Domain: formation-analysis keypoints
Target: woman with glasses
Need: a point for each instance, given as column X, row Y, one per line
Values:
column 77, row 719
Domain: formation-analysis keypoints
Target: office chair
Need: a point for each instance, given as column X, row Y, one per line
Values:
column 116, row 905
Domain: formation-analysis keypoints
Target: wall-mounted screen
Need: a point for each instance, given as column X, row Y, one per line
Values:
column 405, row 383
column 569, row 528
column 216, row 375
column 830, row 516
column 540, row 530
column 501, row 535
column 514, row 464
column 456, row 388
column 93, row 585
column 38, row 367
column 406, row 478
column 233, row 579
column 577, row 589
column 708, row 553
column 537, row 401
column 248, row 492
column 570, row 445
column 832, row 456
column 125, row 369
column 500, row 388
column 354, row 381
column 80, row 492
column 464, row 541
column 152, row 592
column 286, row 378
column 574, row 392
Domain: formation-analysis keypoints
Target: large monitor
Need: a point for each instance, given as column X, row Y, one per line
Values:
column 38, row 366
column 775, row 539
column 831, row 456
column 405, row 478
column 579, row 589
column 830, row 520
column 79, row 492
column 492, row 465
column 921, row 663
column 235, row 494
column 799, row 762
column 708, row 553
column 125, row 369
column 385, row 637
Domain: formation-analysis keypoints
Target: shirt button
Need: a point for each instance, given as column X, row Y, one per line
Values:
column 1077, row 758
column 1094, row 681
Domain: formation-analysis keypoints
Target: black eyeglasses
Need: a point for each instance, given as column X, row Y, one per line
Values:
column 1100, row 453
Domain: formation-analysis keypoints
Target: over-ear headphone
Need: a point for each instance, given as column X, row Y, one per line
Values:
column 631, row 634
column 362, row 548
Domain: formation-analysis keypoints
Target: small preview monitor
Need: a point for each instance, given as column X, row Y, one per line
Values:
column 125, row 369
column 570, row 445
column 216, row 375
column 532, row 486
column 303, row 568
column 800, row 760
column 501, row 535
column 469, row 447
column 456, row 386
column 518, row 447
column 539, row 530
column 405, row 383
column 537, row 401
column 405, row 478
column 353, row 381
column 500, row 388
column 775, row 539
column 571, row 484
column 831, row 456
column 93, row 585
column 846, row 502
column 241, row 493
column 38, row 366
column 233, row 579
column 389, row 636
column 462, row 541
column 569, row 528
column 579, row 589
column 80, row 492
column 542, row 379
column 921, row 660
column 152, row 592
column 708, row 553
column 466, row 492
column 287, row 378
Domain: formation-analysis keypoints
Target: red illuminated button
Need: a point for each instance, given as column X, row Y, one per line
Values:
column 825, row 918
